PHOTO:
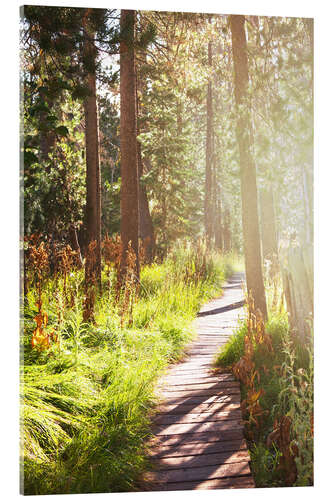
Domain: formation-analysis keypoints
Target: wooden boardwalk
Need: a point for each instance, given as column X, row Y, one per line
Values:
column 199, row 441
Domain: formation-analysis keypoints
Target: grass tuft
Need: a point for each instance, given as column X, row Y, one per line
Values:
column 86, row 400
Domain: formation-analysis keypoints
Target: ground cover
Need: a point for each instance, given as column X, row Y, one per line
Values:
column 275, row 368
column 88, row 387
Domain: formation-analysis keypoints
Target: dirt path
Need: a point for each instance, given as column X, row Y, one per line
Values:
column 199, row 436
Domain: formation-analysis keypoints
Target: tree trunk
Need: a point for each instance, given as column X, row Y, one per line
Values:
column 209, row 159
column 93, row 178
column 129, row 202
column 308, row 173
column 254, row 276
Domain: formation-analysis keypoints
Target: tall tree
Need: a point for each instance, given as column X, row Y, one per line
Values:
column 50, row 73
column 250, row 220
column 209, row 156
column 93, row 178
column 129, row 203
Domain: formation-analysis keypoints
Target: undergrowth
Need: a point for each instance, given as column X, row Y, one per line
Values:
column 88, row 387
column 275, row 369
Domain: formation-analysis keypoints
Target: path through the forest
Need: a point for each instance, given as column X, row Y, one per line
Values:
column 199, row 442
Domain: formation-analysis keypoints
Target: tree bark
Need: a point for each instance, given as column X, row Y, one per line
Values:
column 209, row 158
column 129, row 202
column 93, row 177
column 308, row 173
column 250, row 222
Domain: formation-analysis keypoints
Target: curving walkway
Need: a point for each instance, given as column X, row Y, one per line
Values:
column 199, row 441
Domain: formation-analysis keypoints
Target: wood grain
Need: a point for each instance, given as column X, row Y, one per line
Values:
column 198, row 431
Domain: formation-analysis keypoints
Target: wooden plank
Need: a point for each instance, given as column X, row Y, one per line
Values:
column 211, row 335
column 208, row 340
column 199, row 442
column 177, row 379
column 176, row 393
column 181, row 370
column 204, row 344
column 203, row 352
column 201, row 460
column 206, row 437
column 200, row 473
column 236, row 482
column 193, row 370
column 216, row 385
column 221, row 426
column 195, row 365
column 229, row 403
column 178, row 382
column 196, row 400
column 196, row 448
column 202, row 356
column 167, row 419
column 187, row 364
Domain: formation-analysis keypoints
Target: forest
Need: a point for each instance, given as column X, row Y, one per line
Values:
column 161, row 153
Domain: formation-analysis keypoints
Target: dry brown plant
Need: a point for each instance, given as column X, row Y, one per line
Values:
column 90, row 283
column 127, row 287
column 67, row 260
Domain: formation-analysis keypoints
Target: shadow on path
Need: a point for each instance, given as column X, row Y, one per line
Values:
column 218, row 310
column 198, row 430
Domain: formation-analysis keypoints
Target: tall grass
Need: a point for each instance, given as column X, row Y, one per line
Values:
column 86, row 400
column 279, row 419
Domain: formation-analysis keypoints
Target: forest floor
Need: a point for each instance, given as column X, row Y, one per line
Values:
column 198, row 433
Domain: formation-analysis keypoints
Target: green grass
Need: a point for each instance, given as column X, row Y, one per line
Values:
column 286, row 378
column 233, row 350
column 85, row 407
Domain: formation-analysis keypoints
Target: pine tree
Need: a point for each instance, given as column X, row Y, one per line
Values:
column 129, row 204
column 93, row 177
column 254, row 276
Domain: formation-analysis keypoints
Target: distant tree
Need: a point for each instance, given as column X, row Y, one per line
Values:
column 109, row 163
column 93, row 176
column 146, row 228
column 251, row 236
column 209, row 180
column 171, row 127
